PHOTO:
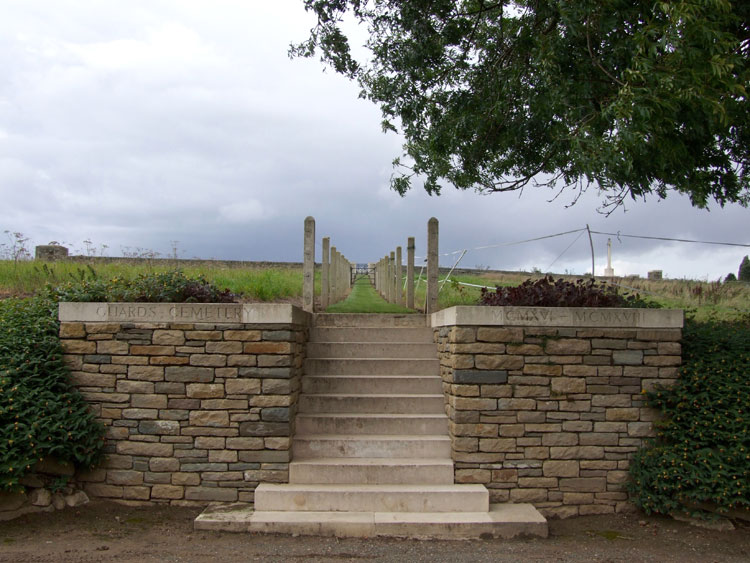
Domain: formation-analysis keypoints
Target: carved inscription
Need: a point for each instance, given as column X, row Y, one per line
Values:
column 177, row 312
column 553, row 316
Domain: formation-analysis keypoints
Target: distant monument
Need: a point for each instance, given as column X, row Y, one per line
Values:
column 655, row 275
column 50, row 252
column 608, row 271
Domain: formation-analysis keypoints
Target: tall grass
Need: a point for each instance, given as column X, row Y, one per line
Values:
column 261, row 284
column 707, row 299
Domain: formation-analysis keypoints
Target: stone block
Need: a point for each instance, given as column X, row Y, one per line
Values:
column 567, row 346
column 189, row 374
column 244, row 443
column 577, row 452
column 599, row 439
column 462, row 362
column 169, row 337
column 578, row 498
column 474, row 376
column 280, row 443
column 266, row 348
column 148, row 401
column 560, row 439
column 623, row 414
column 528, row 495
column 487, row 334
column 242, row 335
column 558, row 468
column 270, row 400
column 273, row 361
column 627, row 357
column 205, row 390
column 208, row 360
column 583, row 484
column 523, row 391
column 224, row 404
column 151, row 350
column 101, row 490
column 87, row 379
column 140, row 414
column 611, row 401
column 469, row 403
column 129, row 386
column 497, row 445
column 172, row 492
column 640, row 429
column 159, row 427
column 242, row 360
column 662, row 361
column 169, row 360
column 112, row 347
column 146, row 373
column 72, row 330
column 222, row 456
column 124, row 477
column 542, row 369
column 78, row 346
column 163, row 464
column 516, row 404
column 472, row 476
column 274, row 386
column 498, row 362
column 144, row 449
column 185, row 479
column 215, row 419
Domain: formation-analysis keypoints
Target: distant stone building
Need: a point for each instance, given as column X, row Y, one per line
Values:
column 50, row 252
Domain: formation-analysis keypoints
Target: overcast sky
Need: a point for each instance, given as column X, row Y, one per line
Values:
column 133, row 124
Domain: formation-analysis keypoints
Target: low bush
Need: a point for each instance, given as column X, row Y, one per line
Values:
column 548, row 292
column 41, row 414
column 701, row 454
column 149, row 287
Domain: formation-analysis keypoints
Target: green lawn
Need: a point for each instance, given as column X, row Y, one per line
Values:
column 364, row 299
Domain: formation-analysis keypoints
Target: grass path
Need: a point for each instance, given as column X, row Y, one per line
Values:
column 364, row 299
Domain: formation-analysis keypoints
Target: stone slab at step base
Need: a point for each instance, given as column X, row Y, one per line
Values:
column 501, row 521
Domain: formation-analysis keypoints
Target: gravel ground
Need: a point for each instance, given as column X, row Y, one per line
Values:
column 104, row 531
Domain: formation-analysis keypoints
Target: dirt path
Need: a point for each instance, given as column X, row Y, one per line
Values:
column 102, row 531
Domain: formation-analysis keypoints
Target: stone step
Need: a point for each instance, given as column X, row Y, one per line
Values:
column 404, row 349
column 378, row 384
column 372, row 423
column 371, row 498
column 372, row 366
column 356, row 334
column 317, row 446
column 387, row 403
column 374, row 320
column 370, row 471
column 504, row 521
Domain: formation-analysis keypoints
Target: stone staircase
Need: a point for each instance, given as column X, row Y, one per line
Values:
column 372, row 455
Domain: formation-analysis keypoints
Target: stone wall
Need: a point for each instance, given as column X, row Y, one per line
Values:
column 198, row 400
column 546, row 405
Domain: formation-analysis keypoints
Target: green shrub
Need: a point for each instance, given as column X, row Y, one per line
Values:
column 548, row 292
column 41, row 414
column 150, row 287
column 702, row 450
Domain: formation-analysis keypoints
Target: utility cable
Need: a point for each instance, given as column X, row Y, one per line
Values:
column 618, row 235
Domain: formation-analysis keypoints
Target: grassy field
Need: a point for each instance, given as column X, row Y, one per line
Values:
column 364, row 299
column 263, row 283
column 251, row 284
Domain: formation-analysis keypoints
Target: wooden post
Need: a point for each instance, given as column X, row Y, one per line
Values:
column 324, row 275
column 308, row 268
column 432, row 266
column 410, row 273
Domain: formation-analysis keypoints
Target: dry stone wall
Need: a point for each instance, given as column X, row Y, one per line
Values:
column 198, row 400
column 546, row 405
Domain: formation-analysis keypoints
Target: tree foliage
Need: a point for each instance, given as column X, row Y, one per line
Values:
column 635, row 98
column 744, row 272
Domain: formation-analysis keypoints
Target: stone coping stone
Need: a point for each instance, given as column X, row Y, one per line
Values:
column 241, row 313
column 583, row 317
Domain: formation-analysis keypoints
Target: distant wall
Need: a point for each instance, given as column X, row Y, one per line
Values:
column 198, row 399
column 546, row 404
